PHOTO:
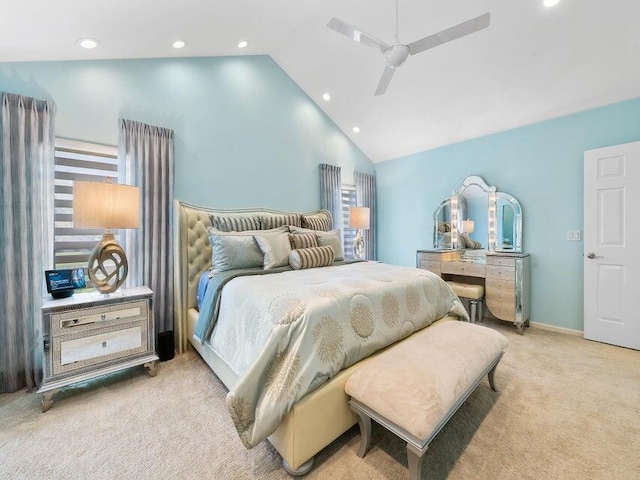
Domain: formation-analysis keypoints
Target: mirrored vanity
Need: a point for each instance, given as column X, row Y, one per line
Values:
column 477, row 239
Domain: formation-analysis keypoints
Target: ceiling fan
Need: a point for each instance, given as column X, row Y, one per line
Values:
column 395, row 55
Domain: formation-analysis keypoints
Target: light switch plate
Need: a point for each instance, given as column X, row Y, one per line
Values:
column 573, row 235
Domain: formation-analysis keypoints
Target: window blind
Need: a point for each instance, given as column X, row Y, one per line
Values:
column 77, row 161
column 348, row 201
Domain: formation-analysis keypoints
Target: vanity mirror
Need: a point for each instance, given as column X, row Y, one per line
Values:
column 477, row 216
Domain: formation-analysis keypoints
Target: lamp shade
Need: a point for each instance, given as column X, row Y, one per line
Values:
column 105, row 205
column 468, row 226
column 359, row 217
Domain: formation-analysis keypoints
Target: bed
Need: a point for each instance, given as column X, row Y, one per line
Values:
column 318, row 417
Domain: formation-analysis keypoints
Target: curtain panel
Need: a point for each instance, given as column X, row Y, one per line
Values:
column 366, row 197
column 26, row 227
column 146, row 154
column 331, row 192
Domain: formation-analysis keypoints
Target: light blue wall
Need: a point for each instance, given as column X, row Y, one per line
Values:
column 245, row 134
column 541, row 165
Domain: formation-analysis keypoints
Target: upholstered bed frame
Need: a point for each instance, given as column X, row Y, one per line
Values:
column 316, row 420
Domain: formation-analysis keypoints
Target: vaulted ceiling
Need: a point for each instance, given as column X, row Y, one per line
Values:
column 531, row 64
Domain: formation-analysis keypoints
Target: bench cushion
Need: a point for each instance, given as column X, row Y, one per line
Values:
column 416, row 384
column 467, row 290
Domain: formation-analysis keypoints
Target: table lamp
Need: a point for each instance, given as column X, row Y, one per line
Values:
column 468, row 226
column 106, row 205
column 359, row 219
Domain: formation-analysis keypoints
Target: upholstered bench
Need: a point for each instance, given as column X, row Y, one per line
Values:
column 415, row 388
column 474, row 293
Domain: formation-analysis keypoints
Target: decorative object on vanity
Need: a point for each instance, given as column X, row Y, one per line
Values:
column 89, row 335
column 506, row 277
column 395, row 55
column 111, row 206
column 359, row 219
column 62, row 283
column 493, row 219
column 382, row 389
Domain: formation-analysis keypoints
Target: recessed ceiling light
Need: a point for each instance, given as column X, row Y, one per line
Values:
column 88, row 43
column 179, row 44
column 550, row 3
column 356, row 129
column 326, row 97
column 243, row 44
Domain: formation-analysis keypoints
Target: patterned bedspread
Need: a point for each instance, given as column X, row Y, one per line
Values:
column 286, row 334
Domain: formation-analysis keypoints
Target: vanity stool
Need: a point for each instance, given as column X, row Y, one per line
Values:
column 473, row 293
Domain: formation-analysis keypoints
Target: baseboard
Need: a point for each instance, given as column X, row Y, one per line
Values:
column 553, row 328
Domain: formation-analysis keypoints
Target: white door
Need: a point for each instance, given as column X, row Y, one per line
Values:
column 612, row 245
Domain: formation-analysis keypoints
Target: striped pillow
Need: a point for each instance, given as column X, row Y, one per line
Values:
column 234, row 223
column 311, row 257
column 303, row 240
column 317, row 221
column 267, row 222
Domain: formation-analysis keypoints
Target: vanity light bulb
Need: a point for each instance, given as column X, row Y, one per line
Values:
column 326, row 97
column 243, row 44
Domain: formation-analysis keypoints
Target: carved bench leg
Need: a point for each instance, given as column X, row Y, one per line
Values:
column 414, row 459
column 490, row 375
column 474, row 307
column 364, row 422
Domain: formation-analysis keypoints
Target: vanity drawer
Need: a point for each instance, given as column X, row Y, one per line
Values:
column 497, row 285
column 507, row 295
column 463, row 268
column 501, row 261
column 501, row 273
column 502, row 310
column 431, row 266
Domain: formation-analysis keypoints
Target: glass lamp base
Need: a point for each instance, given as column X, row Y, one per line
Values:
column 358, row 246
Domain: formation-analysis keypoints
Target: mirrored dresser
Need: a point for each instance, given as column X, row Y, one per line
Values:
column 477, row 239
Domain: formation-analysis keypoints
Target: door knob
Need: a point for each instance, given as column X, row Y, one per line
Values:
column 592, row 255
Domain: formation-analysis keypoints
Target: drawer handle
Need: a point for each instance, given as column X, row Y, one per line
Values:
column 104, row 344
column 103, row 317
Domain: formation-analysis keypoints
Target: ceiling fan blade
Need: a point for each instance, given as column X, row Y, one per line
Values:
column 452, row 33
column 354, row 34
column 387, row 75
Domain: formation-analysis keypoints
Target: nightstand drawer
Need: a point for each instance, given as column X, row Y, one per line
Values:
column 72, row 352
column 89, row 319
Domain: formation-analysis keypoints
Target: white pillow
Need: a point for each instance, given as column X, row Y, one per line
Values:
column 275, row 248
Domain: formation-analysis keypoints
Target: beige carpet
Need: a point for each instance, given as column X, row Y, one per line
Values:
column 567, row 409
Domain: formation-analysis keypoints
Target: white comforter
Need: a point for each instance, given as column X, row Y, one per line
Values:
column 285, row 334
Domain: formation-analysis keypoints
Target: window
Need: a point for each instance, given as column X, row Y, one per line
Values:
column 77, row 161
column 348, row 201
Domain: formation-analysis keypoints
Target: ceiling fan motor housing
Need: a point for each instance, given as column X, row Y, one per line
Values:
column 396, row 55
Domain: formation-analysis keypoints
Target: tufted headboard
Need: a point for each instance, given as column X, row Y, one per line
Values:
column 192, row 255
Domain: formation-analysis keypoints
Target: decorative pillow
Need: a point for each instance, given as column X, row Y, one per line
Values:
column 303, row 240
column 333, row 240
column 231, row 223
column 270, row 221
column 231, row 252
column 311, row 257
column 215, row 231
column 317, row 221
column 275, row 248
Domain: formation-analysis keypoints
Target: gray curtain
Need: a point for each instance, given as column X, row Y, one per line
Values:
column 331, row 192
column 26, row 226
column 146, row 159
column 366, row 197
